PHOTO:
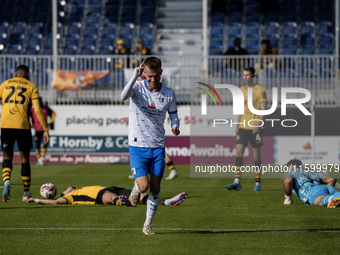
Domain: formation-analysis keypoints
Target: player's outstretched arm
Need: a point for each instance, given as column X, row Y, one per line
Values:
column 60, row 200
column 287, row 185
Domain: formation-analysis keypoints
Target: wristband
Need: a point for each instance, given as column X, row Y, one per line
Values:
column 36, row 200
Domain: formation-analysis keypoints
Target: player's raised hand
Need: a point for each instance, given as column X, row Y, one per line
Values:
column 140, row 69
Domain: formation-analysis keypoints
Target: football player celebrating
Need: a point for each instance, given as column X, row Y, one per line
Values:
column 150, row 100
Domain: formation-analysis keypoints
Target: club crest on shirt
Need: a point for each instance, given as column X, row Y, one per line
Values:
column 163, row 100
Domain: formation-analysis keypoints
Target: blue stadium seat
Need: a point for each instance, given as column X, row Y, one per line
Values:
column 73, row 32
column 95, row 11
column 253, row 32
column 146, row 24
column 307, row 23
column 289, row 52
column 90, row 44
column 105, row 52
column 127, row 30
column 78, row 2
column 19, row 30
column 48, row 52
column 87, row 51
column 271, row 32
column 70, row 52
column 274, row 42
column 235, row 32
column 15, row 40
column 216, row 46
column 146, row 33
column 3, row 32
column 307, row 31
column 253, row 51
column 71, row 44
column 109, row 23
column 36, row 32
column 109, row 32
column 48, row 44
column 307, row 52
column 14, row 51
column 235, row 21
column 325, row 22
column 32, row 52
column 127, row 42
column 92, row 19
column 290, row 32
column 107, row 44
column 290, row 44
column 252, row 44
column 34, row 43
column 325, row 31
column 326, row 43
column 91, row 32
column 20, row 21
column 327, row 52
column 216, row 24
column 289, row 23
column 95, row 2
column 230, row 42
column 75, row 21
column 148, row 43
column 253, row 21
column 217, row 32
column 76, row 11
column 307, row 43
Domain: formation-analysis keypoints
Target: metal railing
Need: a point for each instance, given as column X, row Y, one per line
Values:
column 318, row 74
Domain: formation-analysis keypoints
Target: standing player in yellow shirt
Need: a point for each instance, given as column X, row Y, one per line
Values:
column 249, row 130
column 17, row 95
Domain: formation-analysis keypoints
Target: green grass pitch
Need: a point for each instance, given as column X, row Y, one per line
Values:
column 212, row 220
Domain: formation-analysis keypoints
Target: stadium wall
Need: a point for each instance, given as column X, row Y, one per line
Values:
column 98, row 134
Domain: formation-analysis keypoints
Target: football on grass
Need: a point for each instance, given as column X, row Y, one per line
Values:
column 48, row 190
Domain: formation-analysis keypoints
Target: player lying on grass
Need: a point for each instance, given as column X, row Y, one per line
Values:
column 102, row 195
column 311, row 187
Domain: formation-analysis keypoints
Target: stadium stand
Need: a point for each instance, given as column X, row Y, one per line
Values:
column 92, row 27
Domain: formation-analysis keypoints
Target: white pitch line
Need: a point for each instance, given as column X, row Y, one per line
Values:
column 184, row 229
